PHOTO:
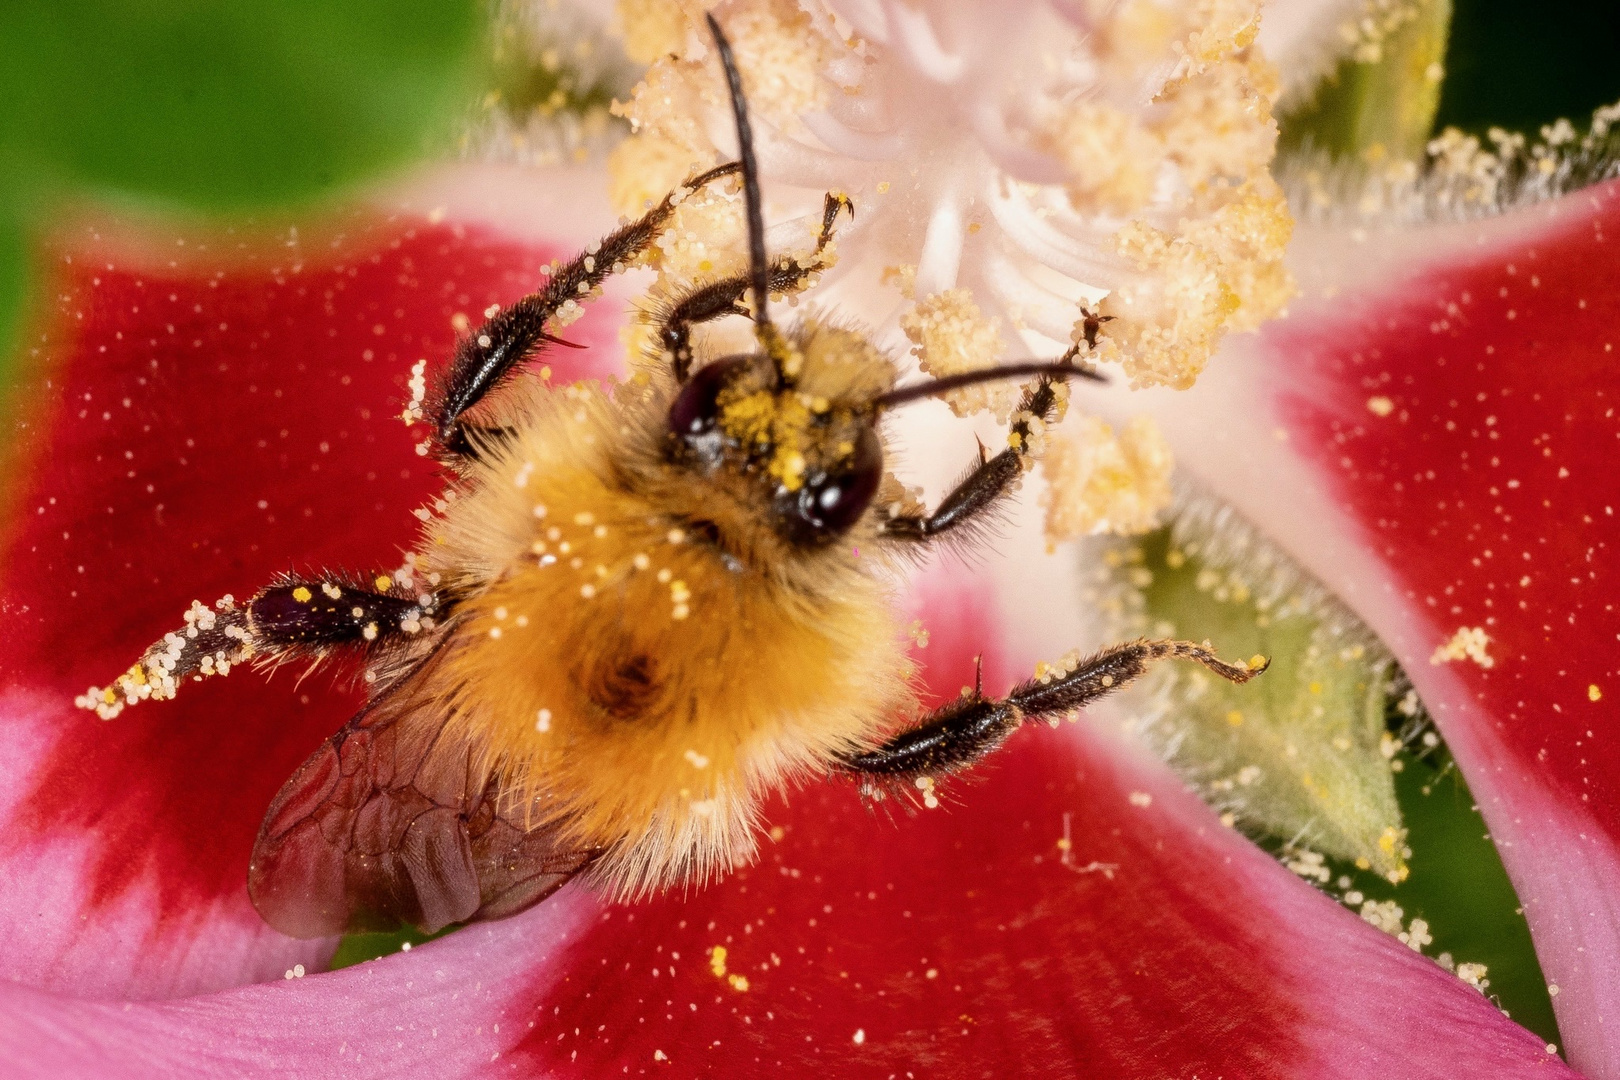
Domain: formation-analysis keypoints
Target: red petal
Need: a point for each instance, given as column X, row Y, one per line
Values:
column 959, row 942
column 1451, row 394
column 197, row 426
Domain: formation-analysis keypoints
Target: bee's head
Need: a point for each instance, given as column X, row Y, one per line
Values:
column 800, row 422
column 810, row 442
column 799, row 417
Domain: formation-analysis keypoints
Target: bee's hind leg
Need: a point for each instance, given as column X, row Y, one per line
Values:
column 291, row 618
column 960, row 733
column 486, row 357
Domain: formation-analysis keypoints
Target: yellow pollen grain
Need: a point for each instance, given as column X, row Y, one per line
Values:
column 302, row 595
column 1593, row 693
column 717, row 961
column 382, row 582
column 1380, row 406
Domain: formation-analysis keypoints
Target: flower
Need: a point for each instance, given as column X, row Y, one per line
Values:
column 196, row 422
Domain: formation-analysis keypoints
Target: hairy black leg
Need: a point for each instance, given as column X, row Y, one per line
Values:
column 962, row 732
column 297, row 616
column 290, row 618
column 985, row 484
column 724, row 297
column 511, row 335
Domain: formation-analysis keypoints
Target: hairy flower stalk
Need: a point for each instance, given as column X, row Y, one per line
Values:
column 1026, row 176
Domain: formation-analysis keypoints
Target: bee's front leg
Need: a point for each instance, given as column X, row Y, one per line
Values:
column 962, row 732
column 788, row 274
column 511, row 335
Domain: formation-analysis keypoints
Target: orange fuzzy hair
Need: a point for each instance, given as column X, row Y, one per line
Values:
column 633, row 684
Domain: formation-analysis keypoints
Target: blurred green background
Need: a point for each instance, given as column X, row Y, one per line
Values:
column 215, row 106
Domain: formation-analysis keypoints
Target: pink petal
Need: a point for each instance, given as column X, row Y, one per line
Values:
column 957, row 942
column 196, row 426
column 445, row 1011
column 1484, row 498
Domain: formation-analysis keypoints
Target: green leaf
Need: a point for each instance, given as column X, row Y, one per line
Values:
column 1301, row 753
column 228, row 104
column 1459, row 887
column 14, row 289
column 358, row 948
column 1379, row 105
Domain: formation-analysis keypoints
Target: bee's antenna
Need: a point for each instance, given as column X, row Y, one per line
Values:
column 1061, row 369
column 758, row 268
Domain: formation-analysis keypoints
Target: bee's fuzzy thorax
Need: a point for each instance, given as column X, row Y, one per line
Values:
column 639, row 682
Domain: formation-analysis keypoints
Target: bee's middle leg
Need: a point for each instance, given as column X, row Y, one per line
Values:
column 977, row 495
column 296, row 615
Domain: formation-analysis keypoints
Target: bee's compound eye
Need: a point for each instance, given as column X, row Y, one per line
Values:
column 696, row 410
column 828, row 506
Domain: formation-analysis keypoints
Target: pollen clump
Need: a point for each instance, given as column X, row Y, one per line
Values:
column 1468, row 643
column 1151, row 121
column 650, row 28
column 1102, row 483
column 214, row 640
column 950, row 335
column 1215, row 274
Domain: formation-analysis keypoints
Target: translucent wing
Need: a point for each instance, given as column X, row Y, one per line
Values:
column 386, row 825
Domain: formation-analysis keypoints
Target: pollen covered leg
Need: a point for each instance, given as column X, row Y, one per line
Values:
column 287, row 619
column 212, row 641
column 962, row 732
column 993, row 478
column 510, row 335
column 788, row 274
column 294, row 616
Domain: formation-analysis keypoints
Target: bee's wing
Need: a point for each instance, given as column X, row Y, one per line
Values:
column 385, row 825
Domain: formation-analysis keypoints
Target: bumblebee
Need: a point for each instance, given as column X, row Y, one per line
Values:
column 635, row 612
